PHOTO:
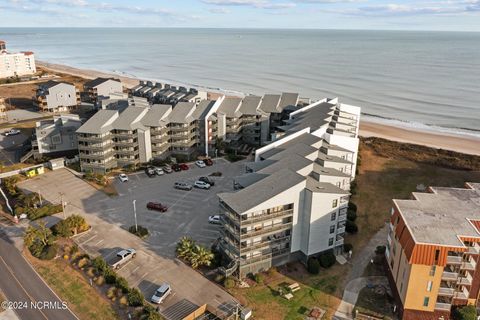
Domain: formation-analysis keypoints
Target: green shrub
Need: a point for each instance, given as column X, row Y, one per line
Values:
column 353, row 187
column 380, row 250
column 135, row 298
column 149, row 313
column 122, row 284
column 313, row 266
column 110, row 276
column 46, row 210
column 48, row 252
column 347, row 247
column 140, row 231
column 62, row 229
column 36, row 249
column 351, row 227
column 465, row 313
column 229, row 283
column 73, row 225
column 352, row 206
column 100, row 265
column 259, row 278
column 327, row 259
column 219, row 278
column 351, row 215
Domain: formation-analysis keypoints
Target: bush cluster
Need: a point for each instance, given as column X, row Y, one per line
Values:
column 351, row 226
column 139, row 231
column 73, row 225
column 327, row 259
column 193, row 253
column 313, row 266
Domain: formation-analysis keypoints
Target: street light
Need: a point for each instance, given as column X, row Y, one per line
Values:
column 135, row 215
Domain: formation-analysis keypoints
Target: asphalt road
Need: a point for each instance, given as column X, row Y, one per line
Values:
column 25, row 290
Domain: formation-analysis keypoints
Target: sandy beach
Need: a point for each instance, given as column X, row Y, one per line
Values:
column 459, row 143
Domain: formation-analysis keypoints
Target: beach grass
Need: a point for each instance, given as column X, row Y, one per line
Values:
column 72, row 287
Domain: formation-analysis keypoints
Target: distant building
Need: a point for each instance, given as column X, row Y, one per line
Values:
column 433, row 248
column 16, row 64
column 56, row 136
column 54, row 96
column 102, row 88
column 3, row 109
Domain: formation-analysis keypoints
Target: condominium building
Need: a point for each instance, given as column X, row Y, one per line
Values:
column 53, row 96
column 292, row 201
column 433, row 248
column 16, row 64
column 56, row 136
column 102, row 88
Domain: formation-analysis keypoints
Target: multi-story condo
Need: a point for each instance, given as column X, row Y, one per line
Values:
column 56, row 136
column 3, row 109
column 433, row 248
column 292, row 201
column 53, row 96
column 102, row 88
column 16, row 64
column 254, row 122
column 274, row 105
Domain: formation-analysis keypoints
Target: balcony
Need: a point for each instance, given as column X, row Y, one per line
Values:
column 469, row 265
column 443, row 306
column 265, row 230
column 93, row 138
column 475, row 249
column 341, row 230
column 455, row 260
column 339, row 241
column 264, row 244
column 462, row 294
column 465, row 280
column 449, row 276
column 446, row 292
column 255, row 259
column 342, row 217
column 266, row 217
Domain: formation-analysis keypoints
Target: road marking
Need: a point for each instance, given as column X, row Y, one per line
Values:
column 29, row 296
column 99, row 242
column 91, row 238
column 138, row 267
column 140, row 280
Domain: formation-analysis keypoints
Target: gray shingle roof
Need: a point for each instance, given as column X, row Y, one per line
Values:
column 100, row 122
column 230, row 106
column 182, row 113
column 257, row 193
column 202, row 109
column 130, row 118
column 270, row 103
column 294, row 162
column 250, row 105
column 157, row 115
column 288, row 99
column 248, row 179
column 323, row 187
column 95, row 82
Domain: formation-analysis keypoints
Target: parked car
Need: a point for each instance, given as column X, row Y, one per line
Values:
column 12, row 132
column 183, row 186
column 122, row 257
column 150, row 171
column 156, row 206
column 208, row 161
column 167, row 169
column 161, row 294
column 200, row 164
column 201, row 185
column 184, row 166
column 159, row 171
column 123, row 177
column 176, row 167
column 214, row 219
column 207, row 180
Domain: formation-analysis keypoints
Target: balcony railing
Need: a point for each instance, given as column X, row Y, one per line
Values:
column 265, row 230
column 462, row 294
column 469, row 265
column 263, row 244
column 341, row 230
column 264, row 217
column 443, row 306
column 454, row 260
column 475, row 249
column 465, row 280
column 342, row 217
column 444, row 291
column 449, row 276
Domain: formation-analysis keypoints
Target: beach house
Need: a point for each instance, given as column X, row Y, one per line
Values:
column 53, row 96
column 101, row 88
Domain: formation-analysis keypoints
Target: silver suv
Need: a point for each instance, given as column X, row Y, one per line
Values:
column 183, row 186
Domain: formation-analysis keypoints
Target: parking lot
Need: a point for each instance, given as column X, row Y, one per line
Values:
column 155, row 263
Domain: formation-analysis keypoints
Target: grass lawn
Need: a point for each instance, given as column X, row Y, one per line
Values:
column 374, row 303
column 72, row 287
column 387, row 171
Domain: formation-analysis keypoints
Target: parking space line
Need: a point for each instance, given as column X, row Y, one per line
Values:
column 140, row 280
column 99, row 242
column 138, row 267
column 93, row 237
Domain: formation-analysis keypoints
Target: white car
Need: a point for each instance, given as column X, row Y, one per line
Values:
column 201, row 185
column 214, row 219
column 12, row 132
column 123, row 177
column 159, row 171
column 161, row 294
column 200, row 164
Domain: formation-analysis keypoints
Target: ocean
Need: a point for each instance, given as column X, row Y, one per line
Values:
column 428, row 80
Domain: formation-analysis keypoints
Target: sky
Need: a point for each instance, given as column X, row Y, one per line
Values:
column 444, row 15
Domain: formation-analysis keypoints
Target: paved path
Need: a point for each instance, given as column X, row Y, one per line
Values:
column 20, row 283
column 355, row 281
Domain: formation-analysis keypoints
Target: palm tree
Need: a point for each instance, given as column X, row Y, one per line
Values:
column 201, row 256
column 42, row 234
column 185, row 248
column 77, row 223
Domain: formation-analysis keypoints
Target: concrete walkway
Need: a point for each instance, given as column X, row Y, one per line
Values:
column 355, row 281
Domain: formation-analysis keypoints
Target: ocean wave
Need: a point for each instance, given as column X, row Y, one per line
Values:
column 456, row 131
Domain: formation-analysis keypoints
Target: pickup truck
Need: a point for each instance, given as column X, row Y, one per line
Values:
column 122, row 257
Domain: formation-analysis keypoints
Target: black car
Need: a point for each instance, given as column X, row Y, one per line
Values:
column 150, row 171
column 176, row 167
column 207, row 180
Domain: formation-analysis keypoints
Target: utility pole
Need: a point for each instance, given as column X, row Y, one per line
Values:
column 40, row 198
column 63, row 205
column 135, row 215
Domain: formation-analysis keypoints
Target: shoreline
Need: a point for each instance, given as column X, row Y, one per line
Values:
column 441, row 140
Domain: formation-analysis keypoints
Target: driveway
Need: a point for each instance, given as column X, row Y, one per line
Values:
column 155, row 262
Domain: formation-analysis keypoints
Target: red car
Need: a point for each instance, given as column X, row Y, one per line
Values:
column 183, row 166
column 156, row 206
column 208, row 161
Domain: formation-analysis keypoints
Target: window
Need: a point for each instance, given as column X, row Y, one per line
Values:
column 429, row 286
column 332, row 229
column 437, row 255
column 333, row 217
column 432, row 270
column 334, row 203
column 426, row 300
column 330, row 242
